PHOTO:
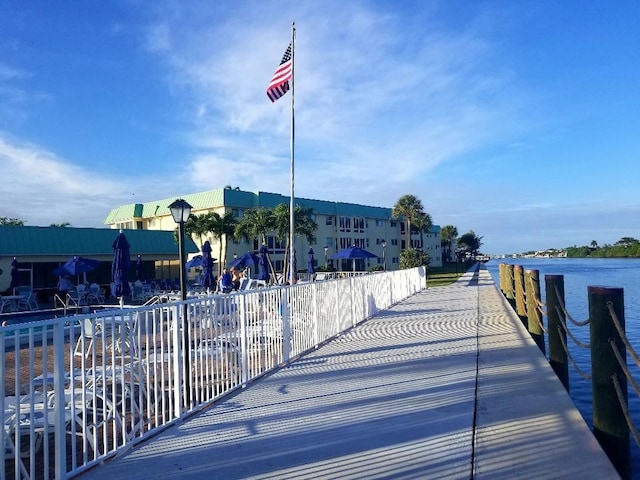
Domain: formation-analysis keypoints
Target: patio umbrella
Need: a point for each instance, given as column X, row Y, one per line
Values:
column 14, row 275
column 139, row 268
column 263, row 264
column 310, row 263
column 353, row 253
column 120, row 267
column 194, row 262
column 207, row 266
column 247, row 259
column 77, row 265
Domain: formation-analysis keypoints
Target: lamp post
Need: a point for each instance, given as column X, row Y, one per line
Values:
column 384, row 255
column 326, row 265
column 180, row 210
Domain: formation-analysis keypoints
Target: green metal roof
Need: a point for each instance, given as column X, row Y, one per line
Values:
column 68, row 241
column 236, row 198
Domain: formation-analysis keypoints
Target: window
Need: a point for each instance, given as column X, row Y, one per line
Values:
column 380, row 223
column 329, row 242
column 329, row 220
column 139, row 225
column 345, row 224
column 394, row 241
column 393, row 223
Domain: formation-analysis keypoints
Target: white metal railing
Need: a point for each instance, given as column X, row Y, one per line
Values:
column 79, row 389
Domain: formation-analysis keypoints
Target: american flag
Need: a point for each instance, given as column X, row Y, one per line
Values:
column 280, row 82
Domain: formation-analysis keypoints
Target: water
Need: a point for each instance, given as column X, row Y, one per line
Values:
column 580, row 273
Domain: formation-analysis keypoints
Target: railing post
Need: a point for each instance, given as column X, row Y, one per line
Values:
column 534, row 317
column 609, row 423
column 60, row 435
column 554, row 288
column 518, row 280
column 509, row 291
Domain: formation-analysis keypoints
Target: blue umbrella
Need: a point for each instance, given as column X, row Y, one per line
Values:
column 353, row 253
column 263, row 264
column 310, row 262
column 121, row 265
column 77, row 265
column 139, row 268
column 247, row 259
column 196, row 261
column 14, row 275
column 207, row 266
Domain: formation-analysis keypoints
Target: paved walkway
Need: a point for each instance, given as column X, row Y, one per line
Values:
column 446, row 384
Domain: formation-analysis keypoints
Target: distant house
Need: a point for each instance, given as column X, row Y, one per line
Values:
column 340, row 225
column 40, row 250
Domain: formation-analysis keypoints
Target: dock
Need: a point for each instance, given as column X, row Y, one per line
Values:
column 447, row 384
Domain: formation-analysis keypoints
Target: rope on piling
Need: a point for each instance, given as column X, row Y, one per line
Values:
column 622, row 334
column 583, row 374
column 562, row 306
column 623, row 365
column 575, row 340
column 625, row 409
column 539, row 305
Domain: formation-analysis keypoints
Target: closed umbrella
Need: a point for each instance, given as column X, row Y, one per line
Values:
column 207, row 266
column 14, row 275
column 263, row 264
column 139, row 268
column 310, row 263
column 120, row 267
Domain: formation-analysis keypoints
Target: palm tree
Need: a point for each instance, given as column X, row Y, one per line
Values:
column 423, row 223
column 199, row 226
column 255, row 223
column 303, row 225
column 448, row 234
column 222, row 226
column 410, row 207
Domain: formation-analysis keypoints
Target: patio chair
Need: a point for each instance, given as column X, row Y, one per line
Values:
column 95, row 294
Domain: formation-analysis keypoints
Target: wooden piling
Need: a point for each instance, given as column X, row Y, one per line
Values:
column 534, row 316
column 554, row 294
column 521, row 306
column 609, row 425
column 509, row 291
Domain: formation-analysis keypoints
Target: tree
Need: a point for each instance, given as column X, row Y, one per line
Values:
column 470, row 242
column 223, row 226
column 411, row 258
column 410, row 207
column 255, row 224
column 303, row 225
column 448, row 234
column 423, row 224
column 199, row 226
column 11, row 222
column 60, row 225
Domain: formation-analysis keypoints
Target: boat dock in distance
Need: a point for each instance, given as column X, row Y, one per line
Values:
column 446, row 384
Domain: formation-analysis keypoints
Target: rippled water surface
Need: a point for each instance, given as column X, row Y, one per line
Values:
column 580, row 273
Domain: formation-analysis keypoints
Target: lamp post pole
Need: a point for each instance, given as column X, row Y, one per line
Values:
column 326, row 265
column 180, row 210
column 384, row 255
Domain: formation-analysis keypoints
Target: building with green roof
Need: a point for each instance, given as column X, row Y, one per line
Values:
column 39, row 250
column 340, row 225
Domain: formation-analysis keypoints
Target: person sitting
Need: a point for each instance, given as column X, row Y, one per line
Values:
column 236, row 278
column 226, row 284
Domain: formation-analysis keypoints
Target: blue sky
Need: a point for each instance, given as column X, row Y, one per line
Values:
column 517, row 120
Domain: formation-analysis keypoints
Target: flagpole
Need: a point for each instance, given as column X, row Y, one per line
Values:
column 293, row 129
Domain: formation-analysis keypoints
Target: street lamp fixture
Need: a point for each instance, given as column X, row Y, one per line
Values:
column 326, row 265
column 384, row 254
column 180, row 210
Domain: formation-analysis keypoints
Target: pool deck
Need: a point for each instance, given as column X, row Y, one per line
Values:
column 446, row 384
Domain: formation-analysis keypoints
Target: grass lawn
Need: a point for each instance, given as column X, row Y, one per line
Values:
column 446, row 275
